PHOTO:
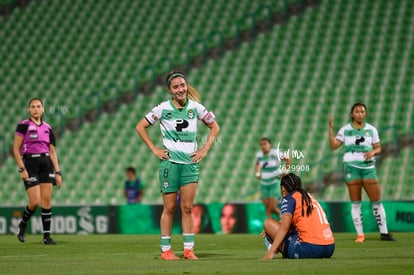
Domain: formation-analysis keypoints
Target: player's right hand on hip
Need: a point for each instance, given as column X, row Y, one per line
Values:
column 161, row 153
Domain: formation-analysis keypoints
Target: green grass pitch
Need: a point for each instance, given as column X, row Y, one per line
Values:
column 219, row 254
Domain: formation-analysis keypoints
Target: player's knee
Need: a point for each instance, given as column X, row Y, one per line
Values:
column 186, row 209
column 168, row 210
column 267, row 223
column 34, row 204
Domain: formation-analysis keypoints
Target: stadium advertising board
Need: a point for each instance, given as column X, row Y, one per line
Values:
column 215, row 218
column 222, row 218
column 66, row 220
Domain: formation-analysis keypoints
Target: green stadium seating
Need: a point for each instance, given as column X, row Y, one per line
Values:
column 283, row 84
column 64, row 51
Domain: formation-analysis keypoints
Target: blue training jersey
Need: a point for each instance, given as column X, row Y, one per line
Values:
column 132, row 190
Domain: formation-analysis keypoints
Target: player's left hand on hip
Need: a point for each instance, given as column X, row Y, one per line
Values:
column 198, row 155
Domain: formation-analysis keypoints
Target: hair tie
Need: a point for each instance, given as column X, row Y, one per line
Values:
column 174, row 75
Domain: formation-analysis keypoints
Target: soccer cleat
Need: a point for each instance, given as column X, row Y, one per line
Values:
column 360, row 239
column 387, row 237
column 169, row 255
column 21, row 234
column 189, row 254
column 49, row 241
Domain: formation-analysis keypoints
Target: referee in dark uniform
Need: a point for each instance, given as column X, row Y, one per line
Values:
column 35, row 154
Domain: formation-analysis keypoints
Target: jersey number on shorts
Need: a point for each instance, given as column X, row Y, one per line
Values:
column 181, row 124
column 321, row 214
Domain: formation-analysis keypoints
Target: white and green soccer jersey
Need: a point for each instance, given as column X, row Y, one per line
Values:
column 270, row 166
column 179, row 127
column 357, row 142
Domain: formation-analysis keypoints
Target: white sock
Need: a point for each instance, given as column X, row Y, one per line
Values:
column 165, row 243
column 357, row 217
column 379, row 214
column 267, row 243
column 188, row 239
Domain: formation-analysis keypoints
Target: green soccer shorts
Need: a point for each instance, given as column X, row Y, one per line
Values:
column 354, row 173
column 173, row 175
column 270, row 191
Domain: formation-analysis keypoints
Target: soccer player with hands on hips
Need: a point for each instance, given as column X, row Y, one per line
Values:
column 180, row 157
column 36, row 158
column 362, row 143
column 303, row 230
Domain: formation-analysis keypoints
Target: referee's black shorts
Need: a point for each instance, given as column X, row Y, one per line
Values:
column 40, row 169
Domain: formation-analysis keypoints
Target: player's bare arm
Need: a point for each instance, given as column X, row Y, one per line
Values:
column 141, row 130
column 54, row 158
column 376, row 150
column 333, row 142
column 17, row 143
column 285, row 223
column 258, row 170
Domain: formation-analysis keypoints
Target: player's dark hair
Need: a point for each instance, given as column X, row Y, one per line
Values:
column 292, row 183
column 35, row 99
column 357, row 105
column 131, row 169
column 266, row 139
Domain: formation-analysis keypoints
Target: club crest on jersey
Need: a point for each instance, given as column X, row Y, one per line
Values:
column 190, row 114
column 166, row 184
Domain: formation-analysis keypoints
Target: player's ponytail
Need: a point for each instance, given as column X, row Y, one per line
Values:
column 291, row 183
column 192, row 93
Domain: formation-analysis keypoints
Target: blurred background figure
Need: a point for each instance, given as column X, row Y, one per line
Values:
column 269, row 168
column 133, row 187
column 232, row 219
column 201, row 218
